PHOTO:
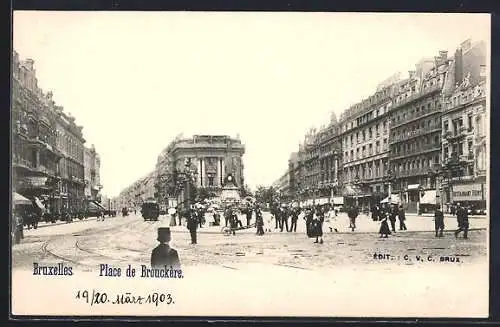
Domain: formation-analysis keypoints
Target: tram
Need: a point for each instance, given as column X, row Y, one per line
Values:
column 150, row 210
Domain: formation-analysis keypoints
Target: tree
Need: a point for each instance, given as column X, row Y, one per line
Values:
column 245, row 191
column 266, row 194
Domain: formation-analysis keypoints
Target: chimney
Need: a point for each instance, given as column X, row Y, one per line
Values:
column 29, row 63
column 443, row 54
column 466, row 45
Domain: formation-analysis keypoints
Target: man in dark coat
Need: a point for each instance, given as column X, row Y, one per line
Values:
column 284, row 218
column 463, row 221
column 259, row 221
column 163, row 254
column 438, row 221
column 192, row 224
column 295, row 217
column 248, row 213
column 402, row 218
column 352, row 213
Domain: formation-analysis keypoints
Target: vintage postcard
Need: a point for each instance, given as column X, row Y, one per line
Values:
column 250, row 164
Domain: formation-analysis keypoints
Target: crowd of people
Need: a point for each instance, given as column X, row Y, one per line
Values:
column 286, row 216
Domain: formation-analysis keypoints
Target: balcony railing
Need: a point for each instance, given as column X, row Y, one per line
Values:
column 21, row 162
column 421, row 149
column 458, row 133
column 412, row 172
column 412, row 134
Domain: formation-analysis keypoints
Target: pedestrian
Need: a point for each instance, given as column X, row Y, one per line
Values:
column 393, row 212
column 275, row 211
column 438, row 221
column 332, row 221
column 317, row 228
column 384, row 230
column 259, row 222
column 227, row 215
column 295, row 217
column 192, row 224
column 284, row 218
column 269, row 222
column 248, row 213
column 375, row 210
column 309, row 216
column 463, row 221
column 163, row 255
column 352, row 213
column 402, row 218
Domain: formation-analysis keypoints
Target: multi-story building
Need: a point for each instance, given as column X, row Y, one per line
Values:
column 416, row 130
column 416, row 126
column 282, row 185
column 213, row 158
column 391, row 143
column 47, row 145
column 315, row 171
column 92, row 167
column 139, row 191
column 329, row 143
column 365, row 148
column 464, row 130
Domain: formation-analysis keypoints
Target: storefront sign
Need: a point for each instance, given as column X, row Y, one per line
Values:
column 468, row 192
column 35, row 181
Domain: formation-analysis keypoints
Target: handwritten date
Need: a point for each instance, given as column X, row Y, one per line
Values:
column 95, row 297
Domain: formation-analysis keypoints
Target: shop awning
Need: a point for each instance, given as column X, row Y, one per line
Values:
column 339, row 200
column 18, row 199
column 413, row 187
column 394, row 199
column 429, row 197
column 93, row 205
column 98, row 205
column 39, row 204
column 355, row 191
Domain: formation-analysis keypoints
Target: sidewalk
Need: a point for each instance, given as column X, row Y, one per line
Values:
column 446, row 215
column 364, row 224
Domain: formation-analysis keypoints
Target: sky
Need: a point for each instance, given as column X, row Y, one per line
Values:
column 135, row 80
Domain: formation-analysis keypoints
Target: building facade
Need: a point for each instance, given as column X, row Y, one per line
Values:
column 213, row 158
column 416, row 131
column 92, row 165
column 47, row 144
column 401, row 140
column 464, row 140
column 365, row 148
column 139, row 191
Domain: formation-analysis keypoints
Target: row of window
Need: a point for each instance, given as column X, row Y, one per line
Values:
column 366, row 117
column 416, row 144
column 415, row 163
column 416, row 111
column 366, row 134
column 366, row 151
column 415, row 127
column 373, row 169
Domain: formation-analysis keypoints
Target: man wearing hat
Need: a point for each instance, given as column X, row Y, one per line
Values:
column 163, row 254
column 192, row 223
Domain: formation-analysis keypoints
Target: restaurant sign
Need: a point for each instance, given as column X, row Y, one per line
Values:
column 34, row 181
column 468, row 192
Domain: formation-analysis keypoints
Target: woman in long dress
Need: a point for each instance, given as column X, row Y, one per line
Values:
column 384, row 230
